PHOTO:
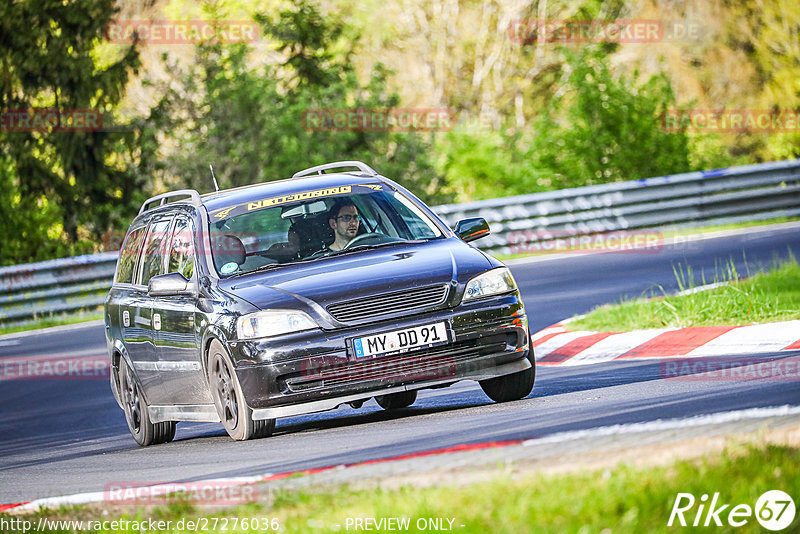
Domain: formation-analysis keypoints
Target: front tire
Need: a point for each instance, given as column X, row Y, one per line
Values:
column 136, row 412
column 514, row 386
column 234, row 413
column 396, row 401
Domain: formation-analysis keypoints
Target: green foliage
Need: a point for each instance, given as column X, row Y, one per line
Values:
column 775, row 48
column 595, row 129
column 251, row 122
column 561, row 117
column 609, row 130
column 68, row 185
column 712, row 151
column 481, row 164
column 23, row 229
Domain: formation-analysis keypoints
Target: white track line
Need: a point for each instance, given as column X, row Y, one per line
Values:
column 669, row 424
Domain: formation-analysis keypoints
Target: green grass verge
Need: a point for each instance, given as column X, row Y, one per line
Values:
column 619, row 499
column 56, row 320
column 765, row 297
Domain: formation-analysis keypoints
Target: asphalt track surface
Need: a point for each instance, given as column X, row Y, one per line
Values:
column 60, row 437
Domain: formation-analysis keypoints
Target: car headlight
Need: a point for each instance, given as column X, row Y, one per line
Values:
column 494, row 282
column 270, row 323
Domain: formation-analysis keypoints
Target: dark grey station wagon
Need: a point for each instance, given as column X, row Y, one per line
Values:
column 300, row 295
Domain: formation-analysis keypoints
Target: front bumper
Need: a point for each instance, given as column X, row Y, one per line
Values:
column 316, row 371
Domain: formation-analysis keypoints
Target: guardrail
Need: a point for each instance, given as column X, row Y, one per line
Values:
column 736, row 194
column 722, row 196
column 36, row 289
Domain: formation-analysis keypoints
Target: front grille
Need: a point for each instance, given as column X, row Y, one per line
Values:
column 429, row 364
column 386, row 303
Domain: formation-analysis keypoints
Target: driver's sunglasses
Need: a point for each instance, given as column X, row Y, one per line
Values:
column 348, row 218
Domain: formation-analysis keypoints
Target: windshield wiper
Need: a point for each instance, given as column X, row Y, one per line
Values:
column 270, row 266
column 376, row 245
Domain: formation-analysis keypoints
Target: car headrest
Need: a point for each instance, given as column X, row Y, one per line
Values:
column 307, row 232
column 228, row 248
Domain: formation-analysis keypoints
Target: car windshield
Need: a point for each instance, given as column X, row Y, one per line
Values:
column 265, row 234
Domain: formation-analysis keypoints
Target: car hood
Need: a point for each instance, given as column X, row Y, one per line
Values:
column 363, row 273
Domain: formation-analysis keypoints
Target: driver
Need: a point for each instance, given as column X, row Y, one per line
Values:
column 343, row 218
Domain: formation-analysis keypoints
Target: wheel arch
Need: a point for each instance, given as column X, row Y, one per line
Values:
column 212, row 333
column 119, row 352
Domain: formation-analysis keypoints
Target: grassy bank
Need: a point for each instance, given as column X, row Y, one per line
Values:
column 764, row 297
column 622, row 499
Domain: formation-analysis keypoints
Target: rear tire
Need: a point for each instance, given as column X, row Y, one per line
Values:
column 234, row 413
column 514, row 386
column 396, row 401
column 136, row 412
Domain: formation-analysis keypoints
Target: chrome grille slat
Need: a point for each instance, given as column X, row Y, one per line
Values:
column 387, row 303
column 386, row 299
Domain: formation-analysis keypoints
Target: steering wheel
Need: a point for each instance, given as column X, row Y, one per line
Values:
column 362, row 237
column 318, row 254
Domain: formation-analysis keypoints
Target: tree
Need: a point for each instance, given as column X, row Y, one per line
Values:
column 777, row 53
column 252, row 122
column 46, row 61
column 24, row 227
column 606, row 129
column 596, row 128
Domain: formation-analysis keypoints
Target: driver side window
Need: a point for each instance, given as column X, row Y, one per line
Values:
column 374, row 217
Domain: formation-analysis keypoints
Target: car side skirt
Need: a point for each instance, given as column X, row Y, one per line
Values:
column 185, row 412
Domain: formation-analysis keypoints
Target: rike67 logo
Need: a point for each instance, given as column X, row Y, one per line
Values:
column 774, row 510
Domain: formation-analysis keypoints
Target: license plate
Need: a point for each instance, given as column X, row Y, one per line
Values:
column 403, row 340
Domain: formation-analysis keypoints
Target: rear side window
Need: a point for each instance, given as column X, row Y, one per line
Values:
column 153, row 263
column 129, row 255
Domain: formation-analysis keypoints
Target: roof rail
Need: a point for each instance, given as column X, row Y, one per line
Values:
column 363, row 167
column 162, row 199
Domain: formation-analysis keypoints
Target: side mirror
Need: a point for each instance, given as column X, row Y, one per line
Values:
column 170, row 284
column 472, row 229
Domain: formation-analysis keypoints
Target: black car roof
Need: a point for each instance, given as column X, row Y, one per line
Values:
column 234, row 197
